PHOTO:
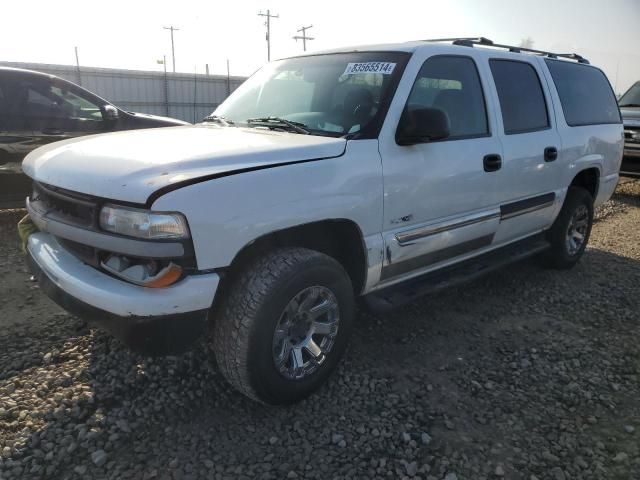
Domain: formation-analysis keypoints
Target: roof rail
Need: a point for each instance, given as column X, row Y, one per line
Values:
column 485, row 42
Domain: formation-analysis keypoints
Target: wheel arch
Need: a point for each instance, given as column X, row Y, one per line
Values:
column 340, row 238
column 589, row 179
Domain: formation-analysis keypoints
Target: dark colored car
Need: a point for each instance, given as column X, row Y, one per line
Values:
column 629, row 105
column 36, row 109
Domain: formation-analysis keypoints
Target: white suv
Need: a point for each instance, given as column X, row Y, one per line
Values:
column 386, row 172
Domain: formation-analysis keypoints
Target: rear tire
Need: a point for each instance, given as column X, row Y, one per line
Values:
column 266, row 339
column 570, row 232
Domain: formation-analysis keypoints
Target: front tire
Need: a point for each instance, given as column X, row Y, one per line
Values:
column 284, row 325
column 570, row 232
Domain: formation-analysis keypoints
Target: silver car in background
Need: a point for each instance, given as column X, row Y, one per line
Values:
column 629, row 105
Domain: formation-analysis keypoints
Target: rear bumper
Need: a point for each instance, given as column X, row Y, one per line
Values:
column 154, row 321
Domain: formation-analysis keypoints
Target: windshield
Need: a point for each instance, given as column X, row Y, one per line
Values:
column 632, row 97
column 336, row 94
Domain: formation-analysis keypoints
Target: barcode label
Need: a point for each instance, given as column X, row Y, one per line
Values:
column 385, row 68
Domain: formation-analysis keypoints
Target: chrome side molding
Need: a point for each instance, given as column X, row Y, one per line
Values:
column 409, row 236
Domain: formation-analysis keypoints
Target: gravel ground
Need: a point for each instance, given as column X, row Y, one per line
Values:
column 526, row 374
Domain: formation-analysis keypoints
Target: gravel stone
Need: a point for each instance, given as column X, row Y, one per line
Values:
column 99, row 457
column 621, row 457
column 412, row 469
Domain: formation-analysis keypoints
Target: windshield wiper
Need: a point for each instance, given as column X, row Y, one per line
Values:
column 218, row 119
column 630, row 105
column 277, row 122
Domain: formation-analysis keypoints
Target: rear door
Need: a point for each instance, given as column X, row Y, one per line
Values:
column 530, row 186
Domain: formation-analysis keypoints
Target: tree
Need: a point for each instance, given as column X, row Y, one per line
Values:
column 526, row 42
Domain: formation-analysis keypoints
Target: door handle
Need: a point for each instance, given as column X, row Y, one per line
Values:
column 492, row 162
column 52, row 131
column 550, row 154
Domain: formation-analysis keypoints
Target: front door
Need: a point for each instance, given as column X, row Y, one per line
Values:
column 39, row 110
column 440, row 199
column 55, row 112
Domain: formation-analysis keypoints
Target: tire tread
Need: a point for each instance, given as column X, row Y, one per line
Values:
column 232, row 325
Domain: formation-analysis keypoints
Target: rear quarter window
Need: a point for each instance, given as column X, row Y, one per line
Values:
column 585, row 94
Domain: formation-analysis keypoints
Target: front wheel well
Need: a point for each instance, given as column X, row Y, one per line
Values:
column 338, row 238
column 587, row 179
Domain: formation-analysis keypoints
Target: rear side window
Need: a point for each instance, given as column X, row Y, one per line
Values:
column 521, row 97
column 4, row 110
column 452, row 84
column 585, row 94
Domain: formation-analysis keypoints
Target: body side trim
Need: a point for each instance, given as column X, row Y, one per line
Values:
column 436, row 256
column 527, row 205
column 387, row 282
column 406, row 237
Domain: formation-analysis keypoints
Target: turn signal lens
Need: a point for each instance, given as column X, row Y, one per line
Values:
column 144, row 273
column 168, row 275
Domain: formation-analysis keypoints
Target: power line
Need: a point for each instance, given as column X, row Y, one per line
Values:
column 268, row 25
column 173, row 51
column 303, row 37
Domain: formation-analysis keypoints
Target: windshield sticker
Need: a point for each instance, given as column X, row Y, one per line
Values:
column 385, row 68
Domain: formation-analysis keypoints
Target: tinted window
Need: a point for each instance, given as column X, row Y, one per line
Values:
column 45, row 100
column 585, row 94
column 632, row 97
column 521, row 98
column 452, row 84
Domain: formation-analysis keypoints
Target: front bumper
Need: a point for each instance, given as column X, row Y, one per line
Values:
column 154, row 321
column 631, row 160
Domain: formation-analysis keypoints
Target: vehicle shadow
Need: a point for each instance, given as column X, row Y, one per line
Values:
column 416, row 368
column 627, row 192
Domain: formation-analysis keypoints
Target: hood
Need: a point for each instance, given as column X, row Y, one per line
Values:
column 157, row 119
column 130, row 166
column 631, row 116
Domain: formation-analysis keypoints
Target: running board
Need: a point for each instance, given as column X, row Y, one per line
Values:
column 405, row 292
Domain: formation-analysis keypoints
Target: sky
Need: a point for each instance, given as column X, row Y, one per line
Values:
column 129, row 33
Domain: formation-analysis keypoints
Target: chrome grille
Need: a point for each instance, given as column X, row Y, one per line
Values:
column 70, row 207
column 632, row 134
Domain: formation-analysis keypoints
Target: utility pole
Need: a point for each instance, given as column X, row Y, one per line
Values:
column 173, row 51
column 79, row 77
column 268, row 25
column 304, row 37
column 166, row 85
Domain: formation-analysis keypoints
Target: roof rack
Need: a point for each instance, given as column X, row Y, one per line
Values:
column 482, row 41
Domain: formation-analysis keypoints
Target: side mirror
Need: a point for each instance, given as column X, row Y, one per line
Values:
column 109, row 113
column 422, row 125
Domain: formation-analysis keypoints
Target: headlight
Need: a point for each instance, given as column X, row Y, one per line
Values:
column 139, row 223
